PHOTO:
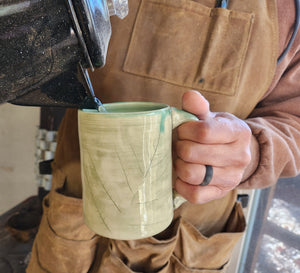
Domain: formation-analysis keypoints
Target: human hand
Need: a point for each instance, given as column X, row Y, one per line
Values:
column 218, row 139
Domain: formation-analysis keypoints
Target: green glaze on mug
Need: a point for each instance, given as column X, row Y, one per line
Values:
column 126, row 168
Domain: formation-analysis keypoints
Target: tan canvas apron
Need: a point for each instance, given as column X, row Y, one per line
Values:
column 163, row 48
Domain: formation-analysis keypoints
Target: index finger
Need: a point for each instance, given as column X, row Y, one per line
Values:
column 210, row 131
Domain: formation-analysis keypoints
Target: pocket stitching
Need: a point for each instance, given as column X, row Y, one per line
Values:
column 179, row 265
column 249, row 21
column 128, row 67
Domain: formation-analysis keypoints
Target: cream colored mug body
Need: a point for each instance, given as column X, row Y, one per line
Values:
column 126, row 167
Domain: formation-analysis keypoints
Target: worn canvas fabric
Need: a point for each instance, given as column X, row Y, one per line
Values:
column 160, row 50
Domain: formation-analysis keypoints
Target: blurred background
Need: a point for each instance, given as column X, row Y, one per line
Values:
column 18, row 129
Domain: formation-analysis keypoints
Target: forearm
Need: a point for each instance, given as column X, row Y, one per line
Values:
column 276, row 152
column 275, row 123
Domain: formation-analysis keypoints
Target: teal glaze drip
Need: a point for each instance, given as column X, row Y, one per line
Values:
column 163, row 116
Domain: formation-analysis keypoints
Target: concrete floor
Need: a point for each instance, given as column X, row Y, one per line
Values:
column 18, row 128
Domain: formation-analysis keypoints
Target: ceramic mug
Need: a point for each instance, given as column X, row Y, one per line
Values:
column 126, row 167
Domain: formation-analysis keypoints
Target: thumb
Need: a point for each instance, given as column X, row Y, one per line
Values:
column 195, row 103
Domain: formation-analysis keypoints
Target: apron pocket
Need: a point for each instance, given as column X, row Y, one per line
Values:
column 194, row 251
column 151, row 254
column 205, row 51
column 181, row 248
column 112, row 263
column 51, row 250
column 178, row 267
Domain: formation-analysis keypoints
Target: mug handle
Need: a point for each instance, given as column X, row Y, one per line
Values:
column 179, row 117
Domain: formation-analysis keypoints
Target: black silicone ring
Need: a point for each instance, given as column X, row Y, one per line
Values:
column 208, row 175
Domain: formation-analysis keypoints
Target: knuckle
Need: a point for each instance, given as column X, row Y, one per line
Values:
column 245, row 158
column 183, row 171
column 203, row 130
column 236, row 179
column 181, row 130
column 232, row 179
column 245, row 132
column 183, row 150
column 228, row 186
column 187, row 175
column 242, row 159
column 220, row 192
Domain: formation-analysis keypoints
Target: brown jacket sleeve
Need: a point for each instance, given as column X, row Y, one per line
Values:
column 276, row 120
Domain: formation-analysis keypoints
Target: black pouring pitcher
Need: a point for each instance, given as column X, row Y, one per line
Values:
column 46, row 47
